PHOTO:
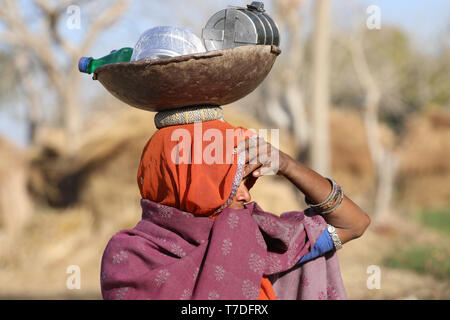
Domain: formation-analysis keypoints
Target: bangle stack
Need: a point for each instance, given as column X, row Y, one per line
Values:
column 331, row 203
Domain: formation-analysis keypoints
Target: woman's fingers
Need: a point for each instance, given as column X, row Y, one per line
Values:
column 263, row 167
column 242, row 145
column 254, row 148
column 270, row 168
column 249, row 168
column 248, row 142
column 260, row 156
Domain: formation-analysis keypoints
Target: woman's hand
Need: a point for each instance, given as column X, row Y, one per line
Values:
column 261, row 158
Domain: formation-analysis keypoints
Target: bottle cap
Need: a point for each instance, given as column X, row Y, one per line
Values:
column 82, row 64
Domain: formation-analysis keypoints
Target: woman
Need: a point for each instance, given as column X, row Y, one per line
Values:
column 200, row 238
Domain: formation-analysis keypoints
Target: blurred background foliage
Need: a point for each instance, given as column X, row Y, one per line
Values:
column 70, row 151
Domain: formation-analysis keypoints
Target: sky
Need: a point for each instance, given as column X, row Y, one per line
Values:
column 424, row 20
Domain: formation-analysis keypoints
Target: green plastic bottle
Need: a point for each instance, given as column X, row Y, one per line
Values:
column 89, row 64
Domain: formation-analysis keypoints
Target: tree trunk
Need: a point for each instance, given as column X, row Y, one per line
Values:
column 289, row 109
column 72, row 114
column 385, row 188
column 15, row 203
column 383, row 158
column 320, row 140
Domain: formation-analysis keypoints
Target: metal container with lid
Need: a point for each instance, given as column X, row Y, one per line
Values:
column 238, row 26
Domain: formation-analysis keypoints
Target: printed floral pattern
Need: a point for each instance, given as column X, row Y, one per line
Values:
column 250, row 290
column 187, row 214
column 226, row 246
column 322, row 296
column 233, row 220
column 162, row 277
column 256, row 263
column 219, row 273
column 161, row 239
column 267, row 224
column 177, row 250
column 274, row 263
column 186, row 295
column 121, row 293
column 165, row 211
column 304, row 282
column 331, row 293
column 120, row 257
column 260, row 239
column 213, row 295
column 286, row 233
column 291, row 254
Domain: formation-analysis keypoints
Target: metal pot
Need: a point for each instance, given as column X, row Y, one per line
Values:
column 238, row 26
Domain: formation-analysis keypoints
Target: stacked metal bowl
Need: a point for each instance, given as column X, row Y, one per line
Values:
column 171, row 69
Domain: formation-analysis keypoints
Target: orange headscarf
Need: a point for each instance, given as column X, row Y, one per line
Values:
column 207, row 174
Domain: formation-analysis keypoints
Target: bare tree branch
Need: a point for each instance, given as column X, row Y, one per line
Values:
column 109, row 17
column 44, row 6
column 60, row 7
column 24, row 38
column 53, row 15
column 32, row 92
column 292, row 112
column 64, row 81
column 373, row 96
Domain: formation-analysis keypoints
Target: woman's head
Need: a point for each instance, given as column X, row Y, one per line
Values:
column 202, row 187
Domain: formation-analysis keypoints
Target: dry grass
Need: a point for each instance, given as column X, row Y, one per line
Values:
column 374, row 247
column 426, row 148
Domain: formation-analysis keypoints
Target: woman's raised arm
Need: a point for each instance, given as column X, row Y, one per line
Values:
column 349, row 220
